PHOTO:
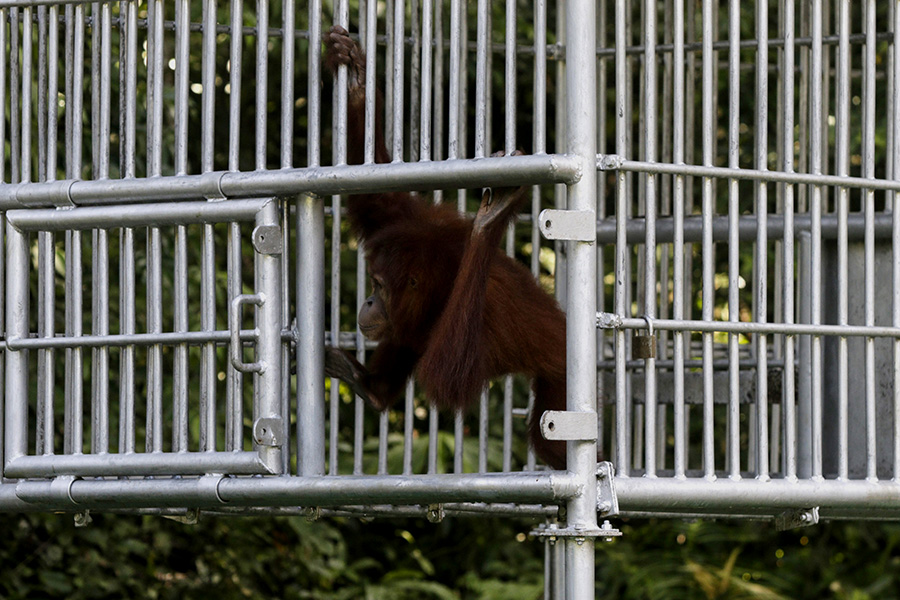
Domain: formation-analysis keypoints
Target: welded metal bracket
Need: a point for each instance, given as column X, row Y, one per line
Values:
column 567, row 425
column 607, row 501
column 267, row 239
column 569, row 225
column 609, row 162
column 794, row 519
column 268, row 432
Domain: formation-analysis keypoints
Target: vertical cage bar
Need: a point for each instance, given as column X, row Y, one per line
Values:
column 233, row 377
column 3, row 69
column 427, row 73
column 180, row 378
column 733, row 460
column 26, row 82
column 207, row 441
column 44, row 440
column 581, row 306
column 155, row 42
column 4, row 60
column 416, row 89
column 539, row 95
column 678, row 210
column 127, row 279
column 868, row 167
column 650, row 182
column 815, row 208
column 453, row 141
column 437, row 145
column 842, row 162
column 708, row 249
column 42, row 93
column 16, row 385
column 398, row 33
column 100, row 243
column 47, row 85
column 262, row 80
column 621, row 307
column 74, row 271
column 15, row 125
column 895, row 242
column 788, row 394
column 761, row 258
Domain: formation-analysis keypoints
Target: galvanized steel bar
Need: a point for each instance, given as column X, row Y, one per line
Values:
column 269, row 319
column 148, row 464
column 761, row 298
column 708, row 263
column 215, row 491
column 749, row 327
column 842, row 167
column 144, row 215
column 605, row 162
column 477, row 173
column 789, row 466
column 581, row 347
column 895, row 243
column 398, row 36
column 868, row 168
column 155, row 45
column 620, row 263
column 262, row 81
column 4, row 61
column 650, row 207
column 14, row 98
column 678, row 210
column 733, row 456
column 26, row 83
column 17, row 308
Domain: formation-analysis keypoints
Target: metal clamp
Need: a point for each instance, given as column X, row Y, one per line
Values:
column 235, row 330
column 607, row 501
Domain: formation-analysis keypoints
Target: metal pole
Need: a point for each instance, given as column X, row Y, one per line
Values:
column 581, row 379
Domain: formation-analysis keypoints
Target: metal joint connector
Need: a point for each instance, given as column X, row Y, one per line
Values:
column 607, row 320
column 609, row 162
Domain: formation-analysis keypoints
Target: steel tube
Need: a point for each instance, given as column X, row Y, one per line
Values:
column 146, row 464
column 749, row 327
column 581, row 294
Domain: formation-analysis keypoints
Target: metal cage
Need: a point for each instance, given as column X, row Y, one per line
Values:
column 175, row 257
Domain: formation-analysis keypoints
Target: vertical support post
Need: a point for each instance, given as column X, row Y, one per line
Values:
column 311, row 325
column 581, row 306
column 16, row 409
column 269, row 321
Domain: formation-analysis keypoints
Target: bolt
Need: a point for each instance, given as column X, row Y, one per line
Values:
column 604, row 506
